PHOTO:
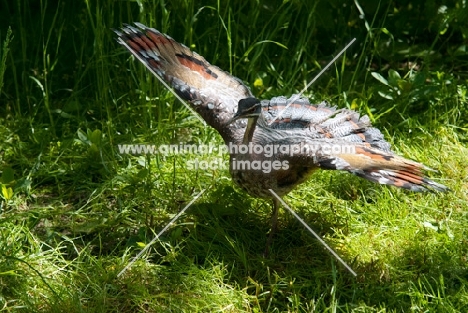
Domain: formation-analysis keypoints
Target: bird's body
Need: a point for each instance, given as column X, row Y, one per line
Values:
column 327, row 131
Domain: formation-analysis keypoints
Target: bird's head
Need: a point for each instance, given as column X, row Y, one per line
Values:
column 247, row 108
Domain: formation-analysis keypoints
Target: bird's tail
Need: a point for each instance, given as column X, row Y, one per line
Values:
column 383, row 168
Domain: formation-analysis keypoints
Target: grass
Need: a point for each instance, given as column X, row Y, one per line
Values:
column 73, row 211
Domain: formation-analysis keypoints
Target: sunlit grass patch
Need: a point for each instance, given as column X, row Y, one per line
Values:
column 74, row 210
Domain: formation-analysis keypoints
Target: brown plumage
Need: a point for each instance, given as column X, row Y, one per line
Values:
column 338, row 139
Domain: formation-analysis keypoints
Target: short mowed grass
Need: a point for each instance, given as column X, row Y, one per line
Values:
column 74, row 211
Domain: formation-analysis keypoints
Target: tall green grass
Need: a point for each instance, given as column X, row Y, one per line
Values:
column 73, row 211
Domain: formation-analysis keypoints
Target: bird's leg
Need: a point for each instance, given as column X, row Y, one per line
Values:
column 274, row 226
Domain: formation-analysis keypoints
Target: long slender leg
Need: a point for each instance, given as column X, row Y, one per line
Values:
column 274, row 226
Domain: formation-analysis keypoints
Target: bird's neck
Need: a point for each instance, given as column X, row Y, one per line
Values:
column 249, row 131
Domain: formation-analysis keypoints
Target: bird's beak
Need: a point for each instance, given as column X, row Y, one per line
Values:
column 233, row 119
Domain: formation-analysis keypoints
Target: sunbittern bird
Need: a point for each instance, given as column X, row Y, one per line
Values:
column 293, row 143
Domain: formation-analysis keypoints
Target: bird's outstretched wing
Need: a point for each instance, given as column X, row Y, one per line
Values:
column 382, row 167
column 212, row 92
column 321, row 121
column 336, row 139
